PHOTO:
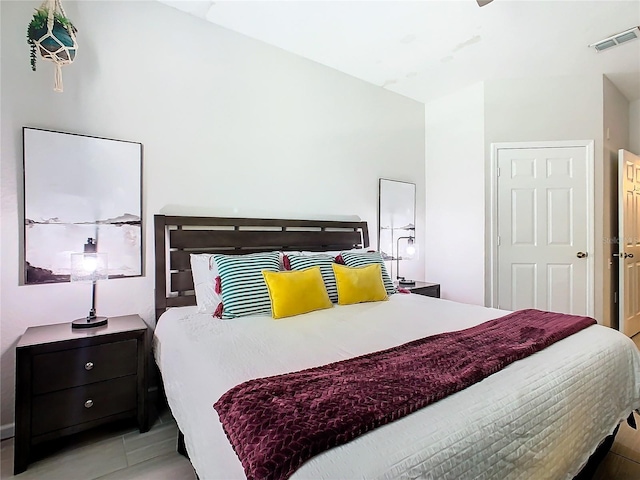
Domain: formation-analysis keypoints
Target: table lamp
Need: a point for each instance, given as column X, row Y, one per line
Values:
column 409, row 252
column 89, row 266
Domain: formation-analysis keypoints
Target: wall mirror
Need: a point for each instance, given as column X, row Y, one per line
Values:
column 396, row 221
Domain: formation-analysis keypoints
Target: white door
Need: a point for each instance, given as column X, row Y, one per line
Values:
column 543, row 229
column 629, row 242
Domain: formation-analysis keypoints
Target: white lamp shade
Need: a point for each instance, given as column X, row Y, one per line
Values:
column 89, row 267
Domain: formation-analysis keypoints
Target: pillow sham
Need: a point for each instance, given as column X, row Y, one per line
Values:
column 361, row 259
column 244, row 291
column 359, row 284
column 324, row 262
column 296, row 292
column 204, row 272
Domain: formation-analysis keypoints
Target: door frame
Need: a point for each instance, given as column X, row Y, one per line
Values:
column 492, row 248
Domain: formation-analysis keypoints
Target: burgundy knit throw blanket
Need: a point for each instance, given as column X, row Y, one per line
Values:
column 275, row 424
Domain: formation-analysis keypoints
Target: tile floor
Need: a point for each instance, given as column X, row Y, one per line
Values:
column 623, row 460
column 110, row 453
column 121, row 453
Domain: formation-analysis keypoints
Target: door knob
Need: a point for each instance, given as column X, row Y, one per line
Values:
column 628, row 255
column 581, row 254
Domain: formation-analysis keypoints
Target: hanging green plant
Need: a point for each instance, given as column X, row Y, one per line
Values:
column 51, row 34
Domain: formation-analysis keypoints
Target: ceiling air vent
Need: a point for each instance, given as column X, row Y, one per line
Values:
column 617, row 39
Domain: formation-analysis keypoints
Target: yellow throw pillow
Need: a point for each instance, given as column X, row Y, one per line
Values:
column 359, row 284
column 295, row 292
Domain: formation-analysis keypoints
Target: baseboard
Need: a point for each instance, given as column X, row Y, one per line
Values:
column 7, row 431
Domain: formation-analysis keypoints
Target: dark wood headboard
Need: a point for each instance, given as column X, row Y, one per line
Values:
column 178, row 237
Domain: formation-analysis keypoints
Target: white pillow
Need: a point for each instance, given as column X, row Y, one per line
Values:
column 204, row 271
column 281, row 255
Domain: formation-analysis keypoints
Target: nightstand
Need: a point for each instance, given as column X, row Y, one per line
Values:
column 69, row 380
column 425, row 288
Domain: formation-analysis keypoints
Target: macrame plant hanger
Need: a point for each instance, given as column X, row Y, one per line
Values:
column 53, row 45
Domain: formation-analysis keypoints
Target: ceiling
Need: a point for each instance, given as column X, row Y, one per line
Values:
column 426, row 49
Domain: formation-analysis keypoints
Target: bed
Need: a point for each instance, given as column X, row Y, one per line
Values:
column 540, row 417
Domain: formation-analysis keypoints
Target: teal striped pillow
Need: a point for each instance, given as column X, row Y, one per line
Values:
column 300, row 262
column 244, row 291
column 362, row 259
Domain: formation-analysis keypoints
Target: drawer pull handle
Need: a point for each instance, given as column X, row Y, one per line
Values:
column 88, row 365
column 88, row 404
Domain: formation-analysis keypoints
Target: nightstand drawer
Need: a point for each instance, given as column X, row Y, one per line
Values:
column 73, row 406
column 81, row 366
column 428, row 291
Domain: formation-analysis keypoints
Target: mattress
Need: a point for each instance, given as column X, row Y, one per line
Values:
column 540, row 417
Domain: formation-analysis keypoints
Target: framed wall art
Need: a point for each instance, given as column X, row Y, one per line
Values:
column 78, row 187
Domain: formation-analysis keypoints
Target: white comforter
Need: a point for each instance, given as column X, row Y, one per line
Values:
column 540, row 417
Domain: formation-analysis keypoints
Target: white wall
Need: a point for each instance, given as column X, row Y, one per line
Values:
column 550, row 108
column 455, row 212
column 230, row 126
column 634, row 127
column 615, row 136
column 460, row 129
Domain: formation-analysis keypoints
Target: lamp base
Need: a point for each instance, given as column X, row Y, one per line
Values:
column 406, row 283
column 88, row 322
